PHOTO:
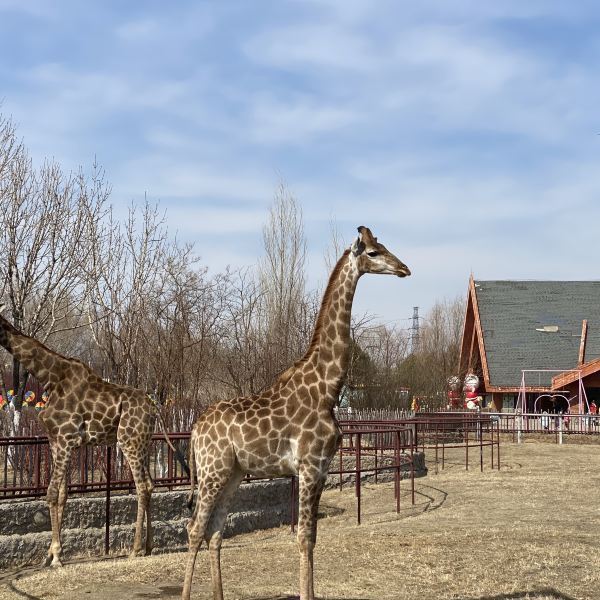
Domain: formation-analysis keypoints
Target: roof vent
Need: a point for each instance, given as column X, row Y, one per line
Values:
column 548, row 328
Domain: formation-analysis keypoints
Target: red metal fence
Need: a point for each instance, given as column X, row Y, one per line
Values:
column 370, row 449
column 26, row 466
column 25, row 462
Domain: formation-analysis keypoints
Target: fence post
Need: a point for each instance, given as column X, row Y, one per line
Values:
column 498, row 446
column 342, row 463
column 170, row 466
column 466, row 434
column 560, row 430
column 412, row 470
column 38, row 465
column 108, row 482
column 376, row 448
column 358, row 469
column 480, row 432
column 293, row 502
column 436, row 447
column 397, row 445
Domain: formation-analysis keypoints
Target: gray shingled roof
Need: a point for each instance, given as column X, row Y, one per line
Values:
column 510, row 313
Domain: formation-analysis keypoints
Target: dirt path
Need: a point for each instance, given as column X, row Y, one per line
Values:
column 531, row 530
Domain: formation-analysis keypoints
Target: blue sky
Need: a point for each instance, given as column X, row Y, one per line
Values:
column 464, row 134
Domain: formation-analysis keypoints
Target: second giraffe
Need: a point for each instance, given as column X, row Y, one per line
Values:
column 289, row 429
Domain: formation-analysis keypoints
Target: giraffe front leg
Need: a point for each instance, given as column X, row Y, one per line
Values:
column 56, row 498
column 311, row 486
column 62, row 500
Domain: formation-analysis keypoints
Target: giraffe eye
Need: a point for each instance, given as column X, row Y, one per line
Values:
column 373, row 253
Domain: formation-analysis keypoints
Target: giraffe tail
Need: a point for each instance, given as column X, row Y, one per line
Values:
column 178, row 455
column 190, row 500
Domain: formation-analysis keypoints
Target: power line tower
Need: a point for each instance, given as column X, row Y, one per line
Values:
column 414, row 330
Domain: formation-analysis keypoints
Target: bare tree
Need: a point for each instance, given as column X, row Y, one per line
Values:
column 377, row 353
column 122, row 275
column 44, row 243
column 269, row 316
column 282, row 280
column 183, row 328
column 240, row 353
column 336, row 246
column 426, row 371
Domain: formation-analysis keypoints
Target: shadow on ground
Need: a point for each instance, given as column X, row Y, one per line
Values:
column 545, row 594
column 295, row 598
column 19, row 593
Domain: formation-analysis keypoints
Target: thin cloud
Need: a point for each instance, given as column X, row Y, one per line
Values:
column 460, row 132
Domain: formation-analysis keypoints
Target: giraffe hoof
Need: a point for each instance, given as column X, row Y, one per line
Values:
column 136, row 553
column 47, row 561
column 56, row 563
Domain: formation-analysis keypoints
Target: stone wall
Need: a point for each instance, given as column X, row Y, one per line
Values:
column 25, row 526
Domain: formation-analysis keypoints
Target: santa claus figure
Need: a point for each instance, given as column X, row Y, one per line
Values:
column 472, row 398
column 454, row 385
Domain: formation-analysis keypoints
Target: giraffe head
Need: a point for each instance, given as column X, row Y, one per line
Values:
column 373, row 257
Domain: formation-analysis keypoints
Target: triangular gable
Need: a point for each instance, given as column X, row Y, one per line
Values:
column 472, row 352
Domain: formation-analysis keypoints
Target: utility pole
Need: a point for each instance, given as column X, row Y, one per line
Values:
column 414, row 330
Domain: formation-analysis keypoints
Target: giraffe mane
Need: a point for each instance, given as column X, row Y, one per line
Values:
column 314, row 342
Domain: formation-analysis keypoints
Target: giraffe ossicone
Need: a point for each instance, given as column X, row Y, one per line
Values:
column 288, row 429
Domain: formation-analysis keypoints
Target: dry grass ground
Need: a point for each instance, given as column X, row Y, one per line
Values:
column 531, row 530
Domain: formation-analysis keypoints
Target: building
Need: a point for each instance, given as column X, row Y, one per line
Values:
column 549, row 329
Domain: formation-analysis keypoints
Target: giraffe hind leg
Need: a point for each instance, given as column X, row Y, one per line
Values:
column 214, row 530
column 210, row 490
column 143, row 486
column 150, row 487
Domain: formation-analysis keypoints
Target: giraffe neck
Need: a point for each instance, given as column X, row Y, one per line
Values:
column 33, row 356
column 330, row 344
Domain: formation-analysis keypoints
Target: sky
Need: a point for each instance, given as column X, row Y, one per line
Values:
column 466, row 135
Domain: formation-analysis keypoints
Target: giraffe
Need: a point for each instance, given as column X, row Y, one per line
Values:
column 83, row 409
column 288, row 429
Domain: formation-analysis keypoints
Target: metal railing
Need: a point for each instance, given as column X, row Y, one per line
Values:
column 366, row 451
column 473, row 432
column 550, row 424
column 25, row 464
column 371, row 450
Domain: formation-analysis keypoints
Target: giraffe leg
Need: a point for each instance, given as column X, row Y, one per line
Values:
column 149, row 487
column 56, row 498
column 62, row 500
column 210, row 485
column 143, row 486
column 315, row 509
column 214, row 530
column 311, row 486
column 62, row 494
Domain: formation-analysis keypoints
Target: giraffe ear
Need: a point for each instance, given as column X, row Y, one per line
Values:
column 366, row 236
column 358, row 246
